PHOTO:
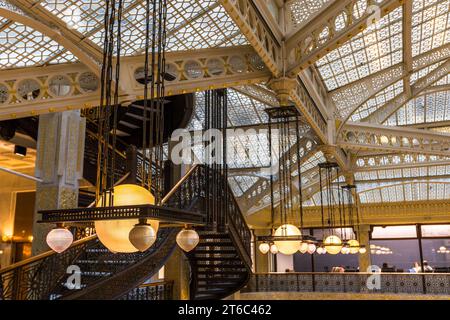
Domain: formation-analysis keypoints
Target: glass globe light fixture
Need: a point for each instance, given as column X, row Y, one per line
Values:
column 311, row 248
column 114, row 234
column 142, row 236
column 353, row 246
column 188, row 239
column 320, row 250
column 303, row 247
column 362, row 250
column 288, row 247
column 333, row 244
column 273, row 249
column 264, row 247
column 59, row 239
column 345, row 250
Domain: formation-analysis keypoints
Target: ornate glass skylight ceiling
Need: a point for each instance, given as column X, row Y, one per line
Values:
column 22, row 46
column 430, row 25
column 191, row 24
column 427, row 108
column 380, row 99
column 376, row 48
column 410, row 191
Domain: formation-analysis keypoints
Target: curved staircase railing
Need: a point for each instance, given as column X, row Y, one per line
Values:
column 221, row 263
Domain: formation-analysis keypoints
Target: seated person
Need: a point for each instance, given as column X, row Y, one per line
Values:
column 427, row 267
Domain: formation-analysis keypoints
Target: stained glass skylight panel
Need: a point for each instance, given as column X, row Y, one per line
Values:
column 427, row 108
column 430, row 25
column 22, row 46
column 376, row 48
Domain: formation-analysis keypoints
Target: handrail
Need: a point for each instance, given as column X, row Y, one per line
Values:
column 178, row 184
column 44, row 255
column 155, row 284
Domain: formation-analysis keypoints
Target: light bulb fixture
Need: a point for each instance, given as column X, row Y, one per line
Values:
column 188, row 239
column 142, row 236
column 273, row 249
column 311, row 248
column 59, row 239
column 345, row 250
column 287, row 247
column 333, row 244
column 303, row 247
column 362, row 250
column 264, row 247
column 353, row 246
column 115, row 234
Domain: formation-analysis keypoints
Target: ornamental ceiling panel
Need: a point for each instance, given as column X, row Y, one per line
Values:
column 376, row 48
column 428, row 108
column 300, row 11
column 430, row 25
column 193, row 24
column 22, row 46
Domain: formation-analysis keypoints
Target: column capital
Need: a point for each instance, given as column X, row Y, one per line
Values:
column 283, row 87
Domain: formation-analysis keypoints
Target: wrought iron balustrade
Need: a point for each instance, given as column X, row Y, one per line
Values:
column 151, row 291
column 349, row 282
column 33, row 279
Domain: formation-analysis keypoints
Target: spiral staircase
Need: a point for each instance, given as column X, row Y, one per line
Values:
column 220, row 265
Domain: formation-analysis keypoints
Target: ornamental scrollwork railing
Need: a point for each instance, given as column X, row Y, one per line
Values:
column 351, row 282
column 34, row 278
column 151, row 291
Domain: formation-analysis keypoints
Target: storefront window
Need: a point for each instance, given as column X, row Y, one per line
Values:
column 395, row 255
column 394, row 232
column 436, row 252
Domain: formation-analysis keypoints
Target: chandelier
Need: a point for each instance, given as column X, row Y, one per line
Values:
column 339, row 215
column 284, row 141
column 138, row 234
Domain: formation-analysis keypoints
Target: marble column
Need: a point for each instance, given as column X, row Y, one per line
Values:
column 177, row 269
column 363, row 237
column 59, row 163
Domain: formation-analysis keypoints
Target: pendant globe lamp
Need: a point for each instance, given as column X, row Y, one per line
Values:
column 264, row 248
column 287, row 247
column 311, row 248
column 115, row 234
column 59, row 239
column 273, row 249
column 333, row 244
column 142, row 236
column 188, row 239
column 353, row 246
column 285, row 131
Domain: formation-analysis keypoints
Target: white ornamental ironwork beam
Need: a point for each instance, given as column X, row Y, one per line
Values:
column 364, row 136
column 32, row 91
column 338, row 23
column 302, row 99
column 397, row 161
column 257, row 32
